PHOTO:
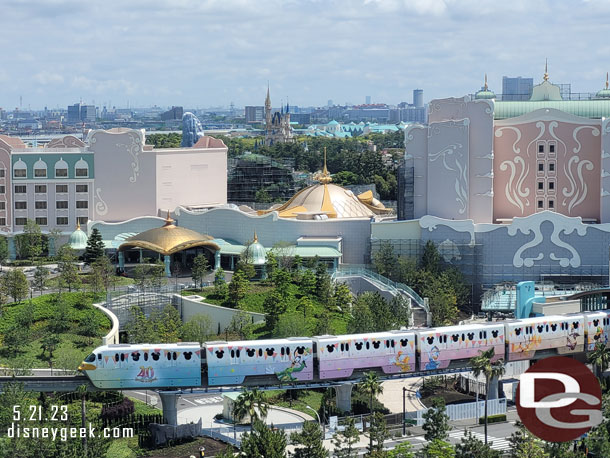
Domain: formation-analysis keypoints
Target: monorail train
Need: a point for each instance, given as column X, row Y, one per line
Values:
column 303, row 359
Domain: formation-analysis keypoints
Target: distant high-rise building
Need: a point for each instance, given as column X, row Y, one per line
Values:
column 255, row 114
column 329, row 103
column 517, row 88
column 172, row 115
column 368, row 99
column 81, row 113
column 418, row 98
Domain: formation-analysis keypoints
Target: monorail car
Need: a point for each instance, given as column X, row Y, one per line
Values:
column 392, row 352
column 144, row 365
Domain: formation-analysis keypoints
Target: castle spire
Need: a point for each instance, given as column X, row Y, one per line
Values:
column 485, row 85
column 546, row 70
column 255, row 237
column 606, row 80
column 325, row 177
column 268, row 99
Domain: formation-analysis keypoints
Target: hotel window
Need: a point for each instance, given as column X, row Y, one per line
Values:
column 41, row 221
column 82, row 220
column 2, row 173
column 2, row 221
column 540, row 167
column 40, row 204
column 40, row 189
column 551, row 185
column 62, row 220
column 540, row 204
column 551, row 166
column 21, row 221
column 2, row 205
column 61, row 204
column 551, row 204
column 2, row 190
column 541, row 148
column 81, row 168
column 61, row 188
column 551, row 148
column 82, row 188
column 82, row 204
column 20, row 189
column 20, row 170
column 82, row 173
column 61, row 173
column 21, row 205
column 40, row 173
column 540, row 185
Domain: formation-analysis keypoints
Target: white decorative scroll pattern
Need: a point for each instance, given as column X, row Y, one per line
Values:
column 134, row 148
column 100, row 206
column 457, row 167
column 540, row 125
column 578, row 189
column 499, row 133
column 533, row 225
column 513, row 192
column 594, row 132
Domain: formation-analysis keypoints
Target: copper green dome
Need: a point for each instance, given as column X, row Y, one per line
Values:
column 257, row 252
column 78, row 239
column 485, row 93
column 604, row 93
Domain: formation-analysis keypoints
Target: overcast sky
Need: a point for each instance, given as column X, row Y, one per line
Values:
column 202, row 53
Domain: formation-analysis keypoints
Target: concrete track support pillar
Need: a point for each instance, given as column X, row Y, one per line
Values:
column 169, row 400
column 344, row 397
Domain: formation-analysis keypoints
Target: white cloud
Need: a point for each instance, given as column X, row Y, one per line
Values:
column 47, row 78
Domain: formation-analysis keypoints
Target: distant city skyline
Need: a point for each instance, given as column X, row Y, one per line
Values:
column 211, row 53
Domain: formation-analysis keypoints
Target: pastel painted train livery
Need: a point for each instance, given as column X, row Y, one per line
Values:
column 322, row 358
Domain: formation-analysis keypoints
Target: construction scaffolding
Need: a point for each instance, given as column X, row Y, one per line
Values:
column 250, row 173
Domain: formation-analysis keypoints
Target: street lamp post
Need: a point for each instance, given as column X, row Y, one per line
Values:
column 319, row 421
column 404, row 413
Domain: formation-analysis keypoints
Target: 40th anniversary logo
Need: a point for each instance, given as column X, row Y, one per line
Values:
column 559, row 399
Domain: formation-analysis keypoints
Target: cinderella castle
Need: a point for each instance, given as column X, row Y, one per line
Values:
column 277, row 125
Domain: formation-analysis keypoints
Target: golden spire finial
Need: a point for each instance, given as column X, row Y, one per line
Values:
column 255, row 237
column 325, row 177
column 485, row 85
column 546, row 70
column 77, row 224
column 168, row 219
column 606, row 80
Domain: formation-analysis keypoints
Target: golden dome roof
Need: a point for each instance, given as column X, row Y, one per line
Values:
column 328, row 198
column 168, row 239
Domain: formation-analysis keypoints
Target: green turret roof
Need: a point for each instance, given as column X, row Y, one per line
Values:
column 78, row 239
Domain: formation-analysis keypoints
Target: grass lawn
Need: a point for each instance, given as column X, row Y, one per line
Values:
column 306, row 398
column 128, row 448
column 72, row 347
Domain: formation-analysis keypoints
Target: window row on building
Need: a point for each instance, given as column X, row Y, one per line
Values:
column 20, row 170
column 42, row 188
column 42, row 204
column 43, row 221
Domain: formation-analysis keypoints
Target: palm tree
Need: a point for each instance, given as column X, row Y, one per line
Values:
column 600, row 358
column 482, row 364
column 250, row 403
column 372, row 386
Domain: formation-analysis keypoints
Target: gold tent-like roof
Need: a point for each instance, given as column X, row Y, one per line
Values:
column 168, row 239
column 331, row 199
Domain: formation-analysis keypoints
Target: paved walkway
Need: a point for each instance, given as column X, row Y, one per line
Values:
column 392, row 395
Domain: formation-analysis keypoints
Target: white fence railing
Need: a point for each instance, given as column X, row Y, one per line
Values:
column 464, row 411
column 233, row 437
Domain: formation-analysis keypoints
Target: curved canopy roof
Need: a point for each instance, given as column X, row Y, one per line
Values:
column 169, row 239
column 333, row 200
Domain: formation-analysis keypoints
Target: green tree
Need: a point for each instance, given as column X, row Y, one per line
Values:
column 60, row 320
column 40, row 276
column 431, row 259
column 240, row 325
column 438, row 448
column 371, row 386
column 252, row 404
column 139, row 328
column 344, row 441
column 95, row 247
column 281, row 280
column 220, row 285
column 102, row 274
column 385, row 260
column 482, row 364
column 3, row 251
column 68, row 271
column 49, row 344
column 470, row 447
column 600, row 358
column 262, row 196
column 89, row 326
column 13, row 339
column 198, row 328
column 30, row 243
column 272, row 263
column 200, row 269
column 436, row 421
column 263, row 442
column 166, row 324
column 378, row 434
column 304, row 304
column 308, row 282
column 274, row 306
column 290, row 325
column 361, row 319
column 402, row 450
column 15, row 284
column 238, row 288
column 308, row 442
column 524, row 445
column 323, row 283
column 342, row 298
